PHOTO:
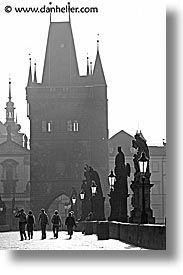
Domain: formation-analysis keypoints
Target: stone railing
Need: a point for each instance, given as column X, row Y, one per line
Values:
column 150, row 236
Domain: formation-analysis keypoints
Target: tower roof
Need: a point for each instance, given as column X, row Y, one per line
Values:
column 60, row 65
column 98, row 72
column 30, row 74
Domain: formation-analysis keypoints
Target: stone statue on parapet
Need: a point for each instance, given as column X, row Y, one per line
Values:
column 140, row 144
column 118, row 196
column 122, row 171
column 25, row 141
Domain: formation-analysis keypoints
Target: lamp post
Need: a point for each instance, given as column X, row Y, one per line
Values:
column 94, row 190
column 82, row 198
column 74, row 205
column 143, row 166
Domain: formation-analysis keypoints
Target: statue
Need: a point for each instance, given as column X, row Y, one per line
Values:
column 25, row 141
column 95, row 203
column 118, row 197
column 140, row 144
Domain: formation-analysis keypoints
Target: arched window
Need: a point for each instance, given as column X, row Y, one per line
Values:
column 9, row 175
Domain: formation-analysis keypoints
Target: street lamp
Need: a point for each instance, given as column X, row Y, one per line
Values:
column 82, row 195
column 93, row 188
column 74, row 199
column 143, row 167
column 111, row 180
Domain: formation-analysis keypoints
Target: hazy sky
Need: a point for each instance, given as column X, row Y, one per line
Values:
column 132, row 46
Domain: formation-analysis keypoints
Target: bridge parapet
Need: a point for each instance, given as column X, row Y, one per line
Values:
column 149, row 236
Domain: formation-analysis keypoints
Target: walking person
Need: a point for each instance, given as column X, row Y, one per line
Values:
column 22, row 223
column 70, row 222
column 56, row 221
column 43, row 218
column 30, row 224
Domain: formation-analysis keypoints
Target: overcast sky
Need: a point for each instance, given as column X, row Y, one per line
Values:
column 132, row 46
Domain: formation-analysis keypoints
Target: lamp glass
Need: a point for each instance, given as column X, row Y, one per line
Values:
column 73, row 200
column 93, row 187
column 82, row 195
column 111, row 180
column 143, row 163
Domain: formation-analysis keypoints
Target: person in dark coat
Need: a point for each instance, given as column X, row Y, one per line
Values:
column 43, row 218
column 56, row 221
column 70, row 222
column 30, row 224
column 22, row 223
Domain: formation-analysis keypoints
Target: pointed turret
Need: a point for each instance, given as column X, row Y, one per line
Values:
column 88, row 68
column 29, row 82
column 35, row 74
column 98, row 72
column 91, row 69
column 60, row 65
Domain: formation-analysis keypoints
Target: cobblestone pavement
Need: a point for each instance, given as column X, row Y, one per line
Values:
column 11, row 241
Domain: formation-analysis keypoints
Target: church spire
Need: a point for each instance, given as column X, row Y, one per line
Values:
column 9, row 89
column 30, row 72
column 9, row 106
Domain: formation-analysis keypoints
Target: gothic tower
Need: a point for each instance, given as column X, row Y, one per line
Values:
column 68, row 120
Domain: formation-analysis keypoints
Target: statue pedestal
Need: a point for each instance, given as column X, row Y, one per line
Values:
column 118, row 203
column 137, row 212
column 98, row 208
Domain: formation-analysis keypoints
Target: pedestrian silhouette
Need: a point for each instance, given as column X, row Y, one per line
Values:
column 22, row 223
column 43, row 218
column 30, row 224
column 70, row 222
column 56, row 221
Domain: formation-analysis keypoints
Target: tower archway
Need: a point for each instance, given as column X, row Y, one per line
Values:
column 63, row 205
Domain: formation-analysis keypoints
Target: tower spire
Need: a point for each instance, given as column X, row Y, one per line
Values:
column 88, row 68
column 98, row 72
column 30, row 72
column 98, row 42
column 35, row 74
column 69, row 10
column 50, row 11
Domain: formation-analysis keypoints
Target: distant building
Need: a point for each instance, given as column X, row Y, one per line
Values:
column 14, row 164
column 157, row 169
